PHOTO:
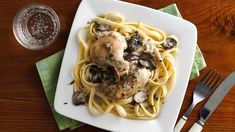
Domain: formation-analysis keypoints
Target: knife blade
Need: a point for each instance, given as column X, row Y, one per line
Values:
column 217, row 97
column 214, row 101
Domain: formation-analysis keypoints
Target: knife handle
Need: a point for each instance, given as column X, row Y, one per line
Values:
column 195, row 128
column 179, row 125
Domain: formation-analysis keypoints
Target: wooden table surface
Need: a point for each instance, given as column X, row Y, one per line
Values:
column 23, row 104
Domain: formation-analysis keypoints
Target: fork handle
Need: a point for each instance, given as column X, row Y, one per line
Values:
column 179, row 125
column 195, row 128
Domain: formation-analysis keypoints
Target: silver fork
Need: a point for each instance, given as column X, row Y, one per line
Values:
column 202, row 90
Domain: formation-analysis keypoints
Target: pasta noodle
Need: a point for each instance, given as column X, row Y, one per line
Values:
column 159, row 81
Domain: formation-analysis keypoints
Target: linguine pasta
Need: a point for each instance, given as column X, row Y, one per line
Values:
column 124, row 67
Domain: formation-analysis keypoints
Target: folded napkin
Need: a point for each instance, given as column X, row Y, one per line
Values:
column 49, row 68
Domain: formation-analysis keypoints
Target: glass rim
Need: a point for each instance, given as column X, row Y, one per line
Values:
column 22, row 12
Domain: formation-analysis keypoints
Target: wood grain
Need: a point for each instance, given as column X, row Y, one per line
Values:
column 23, row 105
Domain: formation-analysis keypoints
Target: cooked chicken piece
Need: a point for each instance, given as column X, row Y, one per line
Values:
column 141, row 96
column 128, row 85
column 134, row 81
column 108, row 50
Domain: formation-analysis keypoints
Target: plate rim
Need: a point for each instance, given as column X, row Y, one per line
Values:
column 56, row 106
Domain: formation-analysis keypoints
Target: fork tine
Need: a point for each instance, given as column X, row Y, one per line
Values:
column 213, row 77
column 204, row 77
column 215, row 83
column 209, row 77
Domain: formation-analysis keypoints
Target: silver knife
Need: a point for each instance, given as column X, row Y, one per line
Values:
column 213, row 102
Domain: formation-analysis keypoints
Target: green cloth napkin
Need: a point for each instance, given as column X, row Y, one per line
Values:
column 49, row 68
column 199, row 62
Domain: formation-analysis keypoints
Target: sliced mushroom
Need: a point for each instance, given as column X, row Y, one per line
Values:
column 144, row 63
column 95, row 74
column 140, row 96
column 131, row 57
column 110, row 76
column 171, row 42
column 146, row 60
column 99, row 26
column 107, row 75
column 134, row 42
column 147, row 64
column 146, row 56
column 79, row 97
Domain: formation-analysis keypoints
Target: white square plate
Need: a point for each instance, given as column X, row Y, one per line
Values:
column 184, row 30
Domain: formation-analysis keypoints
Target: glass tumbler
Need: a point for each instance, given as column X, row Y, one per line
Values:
column 36, row 26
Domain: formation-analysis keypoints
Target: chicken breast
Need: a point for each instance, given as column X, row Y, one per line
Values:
column 108, row 50
column 128, row 85
column 134, row 81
